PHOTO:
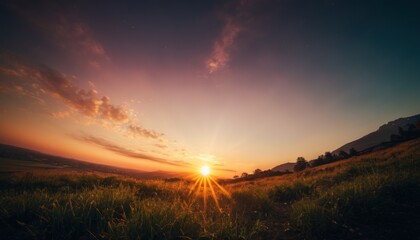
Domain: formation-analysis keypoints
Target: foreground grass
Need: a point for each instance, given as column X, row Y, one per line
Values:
column 374, row 196
column 57, row 206
column 368, row 197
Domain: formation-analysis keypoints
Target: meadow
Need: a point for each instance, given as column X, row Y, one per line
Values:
column 373, row 196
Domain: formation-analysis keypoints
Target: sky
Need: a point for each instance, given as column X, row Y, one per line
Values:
column 173, row 85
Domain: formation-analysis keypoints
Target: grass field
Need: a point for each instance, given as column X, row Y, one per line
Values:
column 374, row 196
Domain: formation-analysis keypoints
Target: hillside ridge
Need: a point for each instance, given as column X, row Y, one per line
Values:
column 382, row 134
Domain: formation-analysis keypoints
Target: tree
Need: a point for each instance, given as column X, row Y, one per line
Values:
column 235, row 177
column 318, row 161
column 244, row 175
column 257, row 171
column 328, row 157
column 300, row 165
column 343, row 155
column 353, row 152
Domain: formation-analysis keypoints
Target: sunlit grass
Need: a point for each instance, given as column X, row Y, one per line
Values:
column 351, row 199
column 206, row 185
column 109, row 207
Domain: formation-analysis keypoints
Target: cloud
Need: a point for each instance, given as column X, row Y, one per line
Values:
column 141, row 131
column 41, row 81
column 62, row 114
column 224, row 169
column 127, row 152
column 109, row 111
column 235, row 16
column 160, row 145
column 20, row 89
column 73, row 35
column 64, row 30
column 60, row 86
column 222, row 46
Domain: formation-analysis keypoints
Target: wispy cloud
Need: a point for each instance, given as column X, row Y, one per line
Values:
column 222, row 46
column 74, row 35
column 160, row 145
column 42, row 81
column 141, row 131
column 127, row 152
column 234, row 17
column 61, row 87
column 224, row 169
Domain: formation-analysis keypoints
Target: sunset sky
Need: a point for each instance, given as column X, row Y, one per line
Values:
column 172, row 85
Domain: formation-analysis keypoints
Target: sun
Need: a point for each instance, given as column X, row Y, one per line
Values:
column 205, row 170
column 206, row 185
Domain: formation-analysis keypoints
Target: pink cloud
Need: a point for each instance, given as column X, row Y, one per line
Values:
column 41, row 80
column 141, row 131
column 60, row 86
column 222, row 46
column 235, row 16
column 127, row 152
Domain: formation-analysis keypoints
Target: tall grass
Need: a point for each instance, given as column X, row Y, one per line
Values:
column 94, row 207
column 373, row 196
column 373, row 199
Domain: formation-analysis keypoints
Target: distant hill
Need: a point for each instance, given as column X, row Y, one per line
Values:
column 381, row 135
column 284, row 167
column 16, row 159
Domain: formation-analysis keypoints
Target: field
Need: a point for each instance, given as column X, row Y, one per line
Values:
column 373, row 196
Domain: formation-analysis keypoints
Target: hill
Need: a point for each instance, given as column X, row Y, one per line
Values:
column 16, row 159
column 284, row 167
column 383, row 134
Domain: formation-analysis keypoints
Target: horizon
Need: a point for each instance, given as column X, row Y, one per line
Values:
column 238, row 85
column 192, row 171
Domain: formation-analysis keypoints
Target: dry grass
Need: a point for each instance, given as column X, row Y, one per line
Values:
column 373, row 196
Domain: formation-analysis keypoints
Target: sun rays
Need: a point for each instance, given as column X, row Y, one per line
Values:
column 204, row 183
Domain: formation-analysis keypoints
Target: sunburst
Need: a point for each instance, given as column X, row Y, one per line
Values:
column 205, row 181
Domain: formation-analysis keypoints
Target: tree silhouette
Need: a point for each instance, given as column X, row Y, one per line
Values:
column 328, row 157
column 343, row 155
column 318, row 161
column 301, row 164
column 244, row 175
column 257, row 171
column 353, row 152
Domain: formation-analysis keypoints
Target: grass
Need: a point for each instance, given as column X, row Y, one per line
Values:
column 80, row 205
column 374, row 196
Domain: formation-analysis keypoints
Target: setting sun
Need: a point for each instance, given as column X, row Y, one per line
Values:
column 205, row 170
